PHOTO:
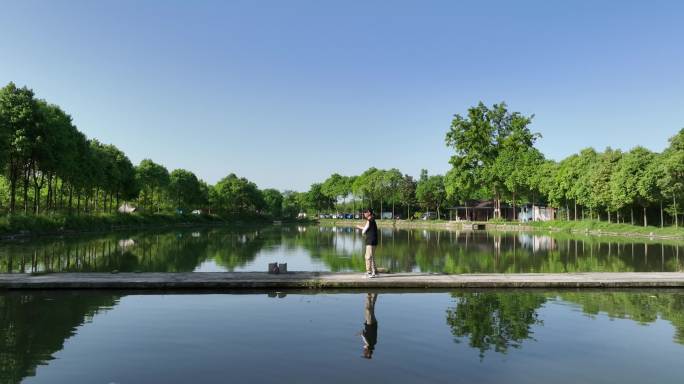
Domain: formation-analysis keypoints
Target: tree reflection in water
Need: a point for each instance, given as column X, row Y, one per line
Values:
column 494, row 319
column 501, row 320
column 340, row 249
column 34, row 326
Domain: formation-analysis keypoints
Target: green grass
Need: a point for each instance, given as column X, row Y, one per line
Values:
column 604, row 226
column 580, row 226
column 43, row 224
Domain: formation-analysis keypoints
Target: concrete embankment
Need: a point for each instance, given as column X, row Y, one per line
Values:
column 323, row 280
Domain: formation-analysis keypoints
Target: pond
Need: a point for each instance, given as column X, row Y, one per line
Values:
column 320, row 248
column 314, row 337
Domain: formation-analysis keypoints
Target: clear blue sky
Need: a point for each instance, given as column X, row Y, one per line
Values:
column 287, row 92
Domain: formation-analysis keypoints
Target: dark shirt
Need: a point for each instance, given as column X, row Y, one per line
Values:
column 372, row 233
column 370, row 334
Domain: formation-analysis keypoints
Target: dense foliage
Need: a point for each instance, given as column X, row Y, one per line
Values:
column 51, row 167
column 495, row 159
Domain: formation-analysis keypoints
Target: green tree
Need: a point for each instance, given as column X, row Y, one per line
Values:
column 274, row 202
column 651, row 184
column 517, row 161
column 318, row 200
column 407, row 193
column 565, row 176
column 19, row 115
column 391, row 182
column 56, row 155
column 237, row 196
column 184, row 188
column 626, row 178
column 153, row 179
column 292, row 204
column 336, row 187
column 672, row 183
column 365, row 185
column 600, row 180
column 479, row 140
column 580, row 190
column 431, row 193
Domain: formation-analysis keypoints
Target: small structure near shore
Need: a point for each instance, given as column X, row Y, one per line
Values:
column 127, row 208
column 276, row 268
column 485, row 210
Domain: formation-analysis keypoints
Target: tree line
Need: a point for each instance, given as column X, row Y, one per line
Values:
column 495, row 159
column 50, row 166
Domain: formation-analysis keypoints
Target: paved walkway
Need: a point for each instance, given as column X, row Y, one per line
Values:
column 258, row 280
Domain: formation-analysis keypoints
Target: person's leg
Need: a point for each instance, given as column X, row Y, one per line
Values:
column 370, row 310
column 372, row 260
column 368, row 256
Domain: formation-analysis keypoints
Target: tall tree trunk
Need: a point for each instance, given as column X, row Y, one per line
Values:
column 674, row 204
column 56, row 196
column 13, row 178
column 645, row 219
column 498, row 205
column 26, row 184
column 662, row 218
column 71, row 196
column 575, row 200
column 515, row 211
column 13, row 194
column 48, row 197
column 37, row 187
column 61, row 194
column 36, row 199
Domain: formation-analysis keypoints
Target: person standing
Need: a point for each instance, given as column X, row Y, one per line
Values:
column 370, row 231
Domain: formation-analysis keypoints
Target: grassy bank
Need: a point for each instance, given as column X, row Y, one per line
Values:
column 590, row 227
column 606, row 228
column 418, row 224
column 30, row 225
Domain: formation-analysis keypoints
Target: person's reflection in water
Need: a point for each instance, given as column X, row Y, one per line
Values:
column 370, row 326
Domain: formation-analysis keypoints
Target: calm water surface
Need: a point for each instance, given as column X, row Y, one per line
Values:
column 447, row 337
column 313, row 248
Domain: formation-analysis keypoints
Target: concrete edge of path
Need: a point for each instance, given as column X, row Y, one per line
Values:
column 208, row 281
